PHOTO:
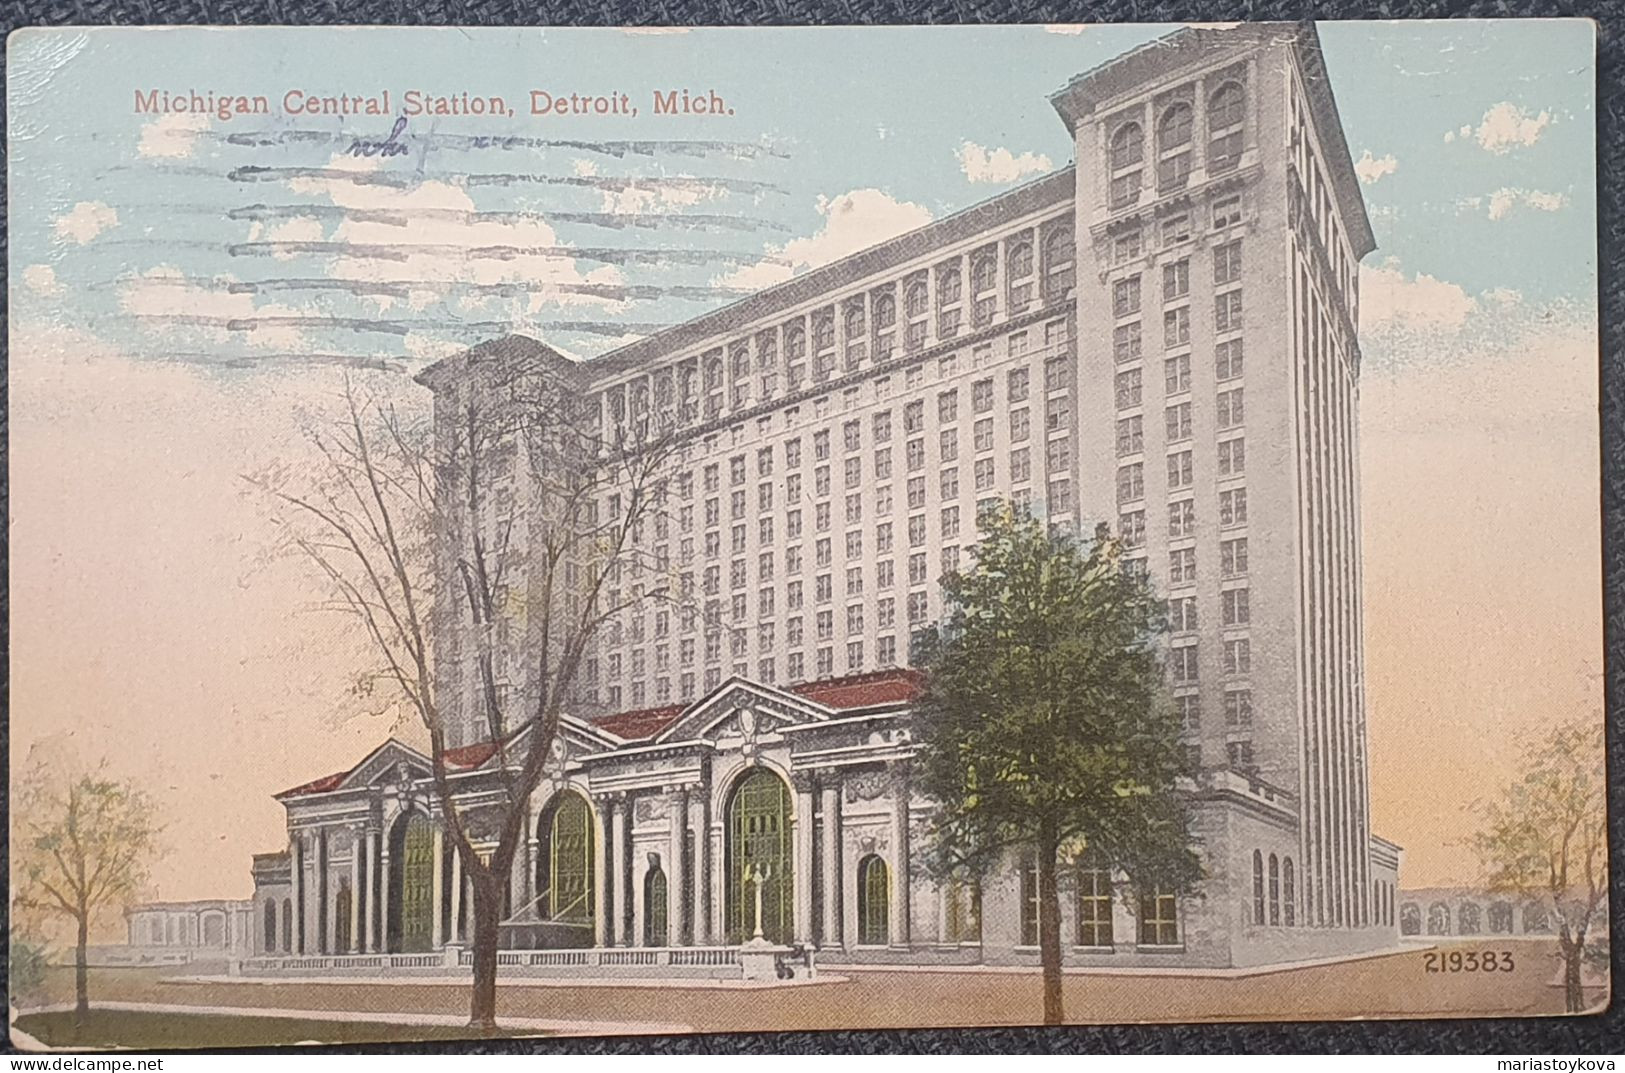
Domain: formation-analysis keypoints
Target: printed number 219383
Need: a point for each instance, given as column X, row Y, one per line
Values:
column 1468, row 961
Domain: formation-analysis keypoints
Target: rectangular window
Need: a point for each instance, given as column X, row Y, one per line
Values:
column 916, row 455
column 1239, row 755
column 1131, row 528
column 914, row 416
column 1233, row 557
column 984, row 474
column 1176, row 229
column 916, row 493
column 981, row 394
column 1127, row 246
column 854, row 507
column 948, row 407
column 1232, row 408
column 1233, row 507
column 1126, row 342
column 854, row 581
column 1189, row 707
column 1182, row 518
column 882, row 427
column 1126, row 297
column 1176, row 327
column 882, row 463
column 1094, row 907
column 949, row 483
column 1182, row 565
column 950, row 522
column 1176, row 279
column 1236, row 607
column 1016, row 384
column 1232, row 457
column 916, row 531
column 1226, row 213
column 1227, row 311
column 1182, row 663
column 1238, row 708
column 1176, row 373
column 1182, row 614
column 1021, row 468
column 1238, row 656
column 983, row 435
column 1128, row 388
column 1058, row 413
column 1130, row 435
column 948, row 444
column 1227, row 263
column 1130, row 482
column 916, row 568
column 1020, row 425
column 1227, row 360
column 1159, row 918
column 1177, row 422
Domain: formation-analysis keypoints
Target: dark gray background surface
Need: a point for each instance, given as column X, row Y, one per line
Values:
column 1531, row 1038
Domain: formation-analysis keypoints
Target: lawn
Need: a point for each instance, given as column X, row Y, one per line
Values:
column 169, row 1031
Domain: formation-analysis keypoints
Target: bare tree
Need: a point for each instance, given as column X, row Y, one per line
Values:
column 1546, row 837
column 501, row 530
column 82, row 844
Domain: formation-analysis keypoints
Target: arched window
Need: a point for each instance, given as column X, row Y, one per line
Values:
column 655, row 906
column 983, row 273
column 713, row 372
column 1128, row 147
column 1275, row 890
column 758, row 853
column 1174, row 147
column 916, row 299
column 287, row 925
column 411, row 883
column 1438, row 919
column 1021, row 260
column 1289, row 895
column 874, row 901
column 269, row 946
column 885, row 312
column 1059, row 266
column 1258, row 887
column 824, row 331
column 795, row 342
column 1094, row 902
column 565, row 864
column 948, row 285
column 1500, row 918
column 854, row 320
column 1225, row 114
column 1410, row 919
column 1467, row 919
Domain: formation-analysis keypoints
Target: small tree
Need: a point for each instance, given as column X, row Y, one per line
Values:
column 82, row 845
column 418, row 531
column 1043, row 729
column 1545, row 838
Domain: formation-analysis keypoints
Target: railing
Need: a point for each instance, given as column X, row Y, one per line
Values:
column 587, row 958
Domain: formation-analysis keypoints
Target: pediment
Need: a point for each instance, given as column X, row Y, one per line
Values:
column 741, row 708
column 391, row 763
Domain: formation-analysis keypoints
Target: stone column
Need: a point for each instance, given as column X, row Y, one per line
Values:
column 296, row 872
column 702, row 874
column 677, row 813
column 437, row 893
column 327, row 893
column 899, row 908
column 829, row 882
column 802, row 860
column 369, row 941
column 456, row 896
column 618, row 869
column 601, row 871
column 355, row 894
column 383, row 902
column 719, row 882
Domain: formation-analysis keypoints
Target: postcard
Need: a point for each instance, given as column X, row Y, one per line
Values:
column 605, row 531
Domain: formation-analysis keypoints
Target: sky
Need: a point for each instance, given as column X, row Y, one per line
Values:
column 186, row 292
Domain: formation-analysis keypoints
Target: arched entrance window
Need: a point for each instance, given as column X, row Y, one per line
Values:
column 654, row 906
column 1275, row 889
column 1289, row 893
column 270, row 928
column 1467, row 919
column 759, row 843
column 1410, row 919
column 565, row 865
column 287, row 925
column 874, row 902
column 1438, row 919
column 411, row 885
column 1258, row 887
column 341, row 918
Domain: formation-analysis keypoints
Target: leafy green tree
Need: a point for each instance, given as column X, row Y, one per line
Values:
column 1044, row 729
column 81, row 846
column 1545, row 838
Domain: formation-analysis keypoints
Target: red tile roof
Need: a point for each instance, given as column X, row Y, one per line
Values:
column 864, row 690
column 470, row 756
column 316, row 786
column 641, row 723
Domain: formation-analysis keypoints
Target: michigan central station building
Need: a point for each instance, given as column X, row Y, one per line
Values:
column 1161, row 337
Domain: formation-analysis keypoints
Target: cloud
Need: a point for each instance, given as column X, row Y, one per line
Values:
column 852, row 221
column 41, row 279
column 165, row 300
column 1393, row 303
column 87, row 220
column 1507, row 126
column 1500, row 203
column 172, row 136
column 982, row 165
column 1370, row 168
